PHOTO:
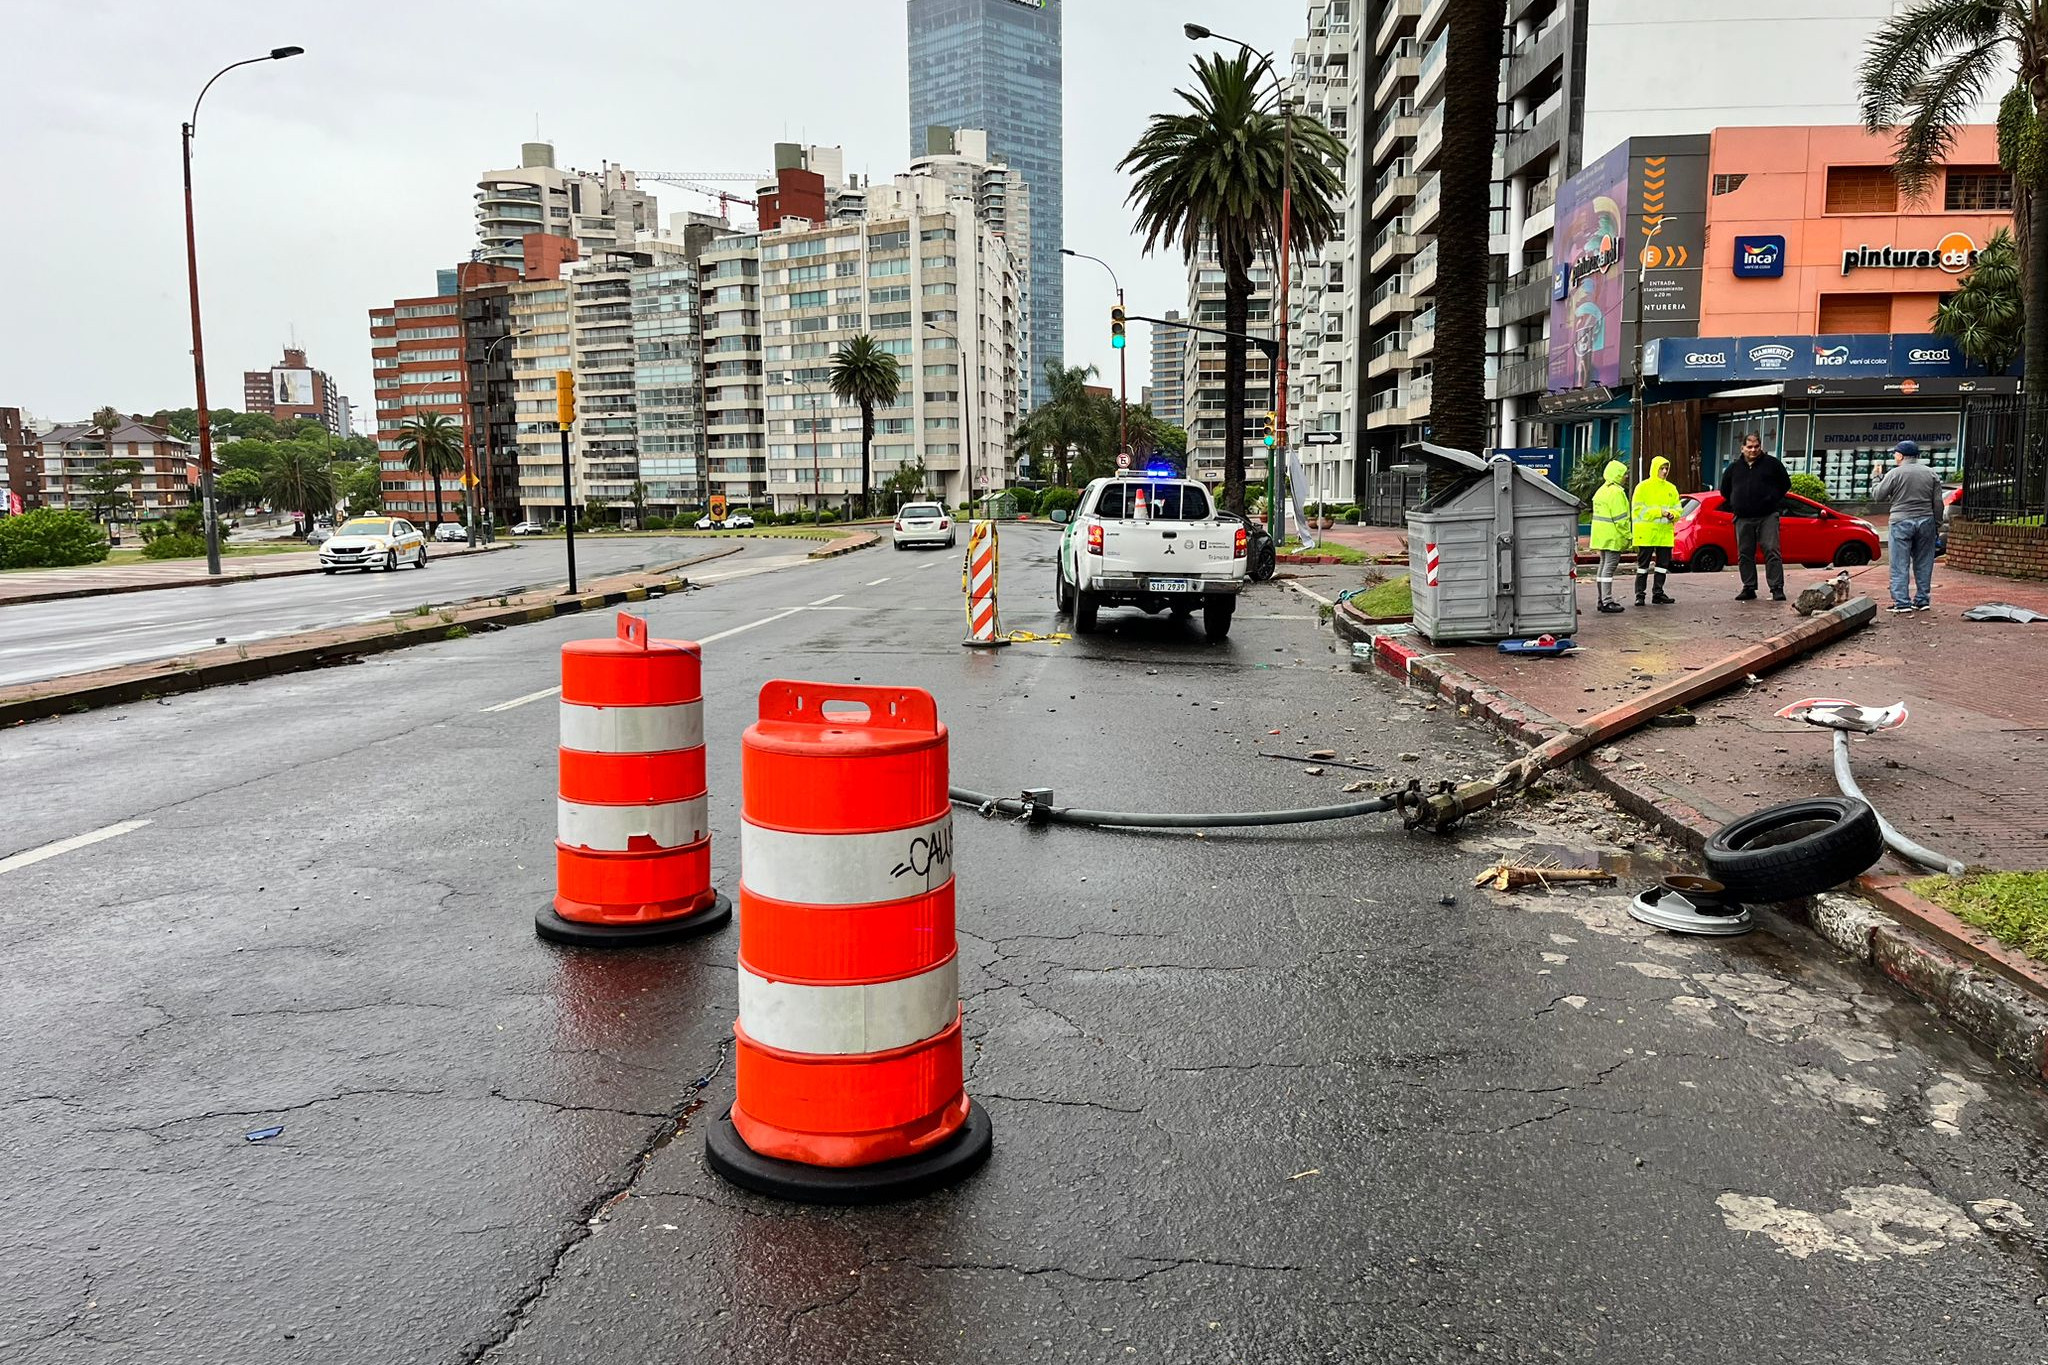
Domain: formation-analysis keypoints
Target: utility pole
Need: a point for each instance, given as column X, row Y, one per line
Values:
column 1635, row 429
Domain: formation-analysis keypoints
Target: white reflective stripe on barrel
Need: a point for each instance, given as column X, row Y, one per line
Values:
column 843, row 1021
column 846, row 869
column 611, row 829
column 632, row 729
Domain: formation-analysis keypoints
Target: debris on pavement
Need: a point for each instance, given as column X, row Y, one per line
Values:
column 1510, row 876
column 263, row 1134
column 2003, row 611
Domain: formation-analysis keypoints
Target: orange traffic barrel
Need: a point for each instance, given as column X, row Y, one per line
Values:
column 848, row 1059
column 632, row 835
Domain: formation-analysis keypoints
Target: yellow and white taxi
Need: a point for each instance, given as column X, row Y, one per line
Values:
column 374, row 543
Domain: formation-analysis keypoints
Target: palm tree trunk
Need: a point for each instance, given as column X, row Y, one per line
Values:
column 2035, row 462
column 1237, row 290
column 1457, row 410
column 867, row 462
column 437, row 497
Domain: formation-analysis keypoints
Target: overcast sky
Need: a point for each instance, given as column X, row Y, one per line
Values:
column 331, row 183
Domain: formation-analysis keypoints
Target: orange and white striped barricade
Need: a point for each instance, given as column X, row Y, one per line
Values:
column 633, row 836
column 984, row 628
column 848, row 1063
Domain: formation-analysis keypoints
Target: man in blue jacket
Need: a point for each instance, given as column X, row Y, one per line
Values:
column 1754, row 488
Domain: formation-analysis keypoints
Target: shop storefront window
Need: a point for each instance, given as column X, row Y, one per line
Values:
column 1846, row 447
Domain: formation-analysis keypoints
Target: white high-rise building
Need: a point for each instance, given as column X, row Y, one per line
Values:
column 596, row 209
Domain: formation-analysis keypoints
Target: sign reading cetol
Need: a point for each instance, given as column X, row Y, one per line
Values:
column 1953, row 254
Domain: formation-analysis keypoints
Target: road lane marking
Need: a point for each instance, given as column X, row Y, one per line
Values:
column 736, row 630
column 827, row 601
column 929, row 564
column 16, row 862
column 521, row 701
column 876, row 583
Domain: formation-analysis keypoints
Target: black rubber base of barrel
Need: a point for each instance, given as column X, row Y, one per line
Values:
column 555, row 929
column 906, row 1178
column 997, row 643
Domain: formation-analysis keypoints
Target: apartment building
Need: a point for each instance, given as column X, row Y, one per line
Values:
column 23, row 471
column 1166, row 395
column 735, row 431
column 1203, row 406
column 1578, row 77
column 419, row 360
column 291, row 390
column 70, row 454
column 592, row 209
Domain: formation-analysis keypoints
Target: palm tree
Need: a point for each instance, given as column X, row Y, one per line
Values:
column 863, row 373
column 1926, row 72
column 1986, row 316
column 300, row 481
column 432, row 443
column 1069, row 418
column 1457, row 407
column 1217, row 172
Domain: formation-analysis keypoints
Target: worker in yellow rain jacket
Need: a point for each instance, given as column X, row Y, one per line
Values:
column 1611, row 529
column 1656, row 509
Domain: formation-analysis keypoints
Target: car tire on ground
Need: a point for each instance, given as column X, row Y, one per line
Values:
column 1798, row 849
column 1265, row 562
column 1707, row 559
column 1086, row 606
column 1216, row 614
column 1062, row 597
column 1852, row 555
column 328, row 571
column 421, row 562
column 391, row 561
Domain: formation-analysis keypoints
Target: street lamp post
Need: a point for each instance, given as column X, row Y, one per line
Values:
column 970, row 374
column 1277, row 506
column 276, row 54
column 1123, row 364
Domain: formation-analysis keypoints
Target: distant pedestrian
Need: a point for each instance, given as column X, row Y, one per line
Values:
column 1656, row 508
column 1610, row 529
column 1914, row 491
column 1755, row 487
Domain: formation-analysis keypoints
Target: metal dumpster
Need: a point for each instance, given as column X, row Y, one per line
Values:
column 1490, row 552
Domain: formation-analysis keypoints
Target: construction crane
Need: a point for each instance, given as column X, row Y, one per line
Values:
column 706, row 184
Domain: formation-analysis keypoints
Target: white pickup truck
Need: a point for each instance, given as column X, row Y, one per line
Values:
column 1151, row 543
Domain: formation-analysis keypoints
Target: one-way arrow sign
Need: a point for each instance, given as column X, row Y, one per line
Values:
column 1323, row 438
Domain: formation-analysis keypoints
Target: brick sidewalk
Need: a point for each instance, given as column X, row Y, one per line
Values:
column 1967, row 774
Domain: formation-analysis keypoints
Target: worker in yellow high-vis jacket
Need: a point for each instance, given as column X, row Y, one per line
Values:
column 1610, row 529
column 1656, row 510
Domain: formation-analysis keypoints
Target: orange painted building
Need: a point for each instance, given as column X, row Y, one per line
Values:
column 1830, row 194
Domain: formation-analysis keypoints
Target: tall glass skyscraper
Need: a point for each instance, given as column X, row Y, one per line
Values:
column 995, row 65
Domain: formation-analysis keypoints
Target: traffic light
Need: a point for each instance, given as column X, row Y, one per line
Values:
column 565, row 399
column 1272, row 430
column 1116, row 327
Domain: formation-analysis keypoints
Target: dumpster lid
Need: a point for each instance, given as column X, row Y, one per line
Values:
column 1469, row 469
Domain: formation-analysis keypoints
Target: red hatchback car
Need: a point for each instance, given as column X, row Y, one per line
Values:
column 1808, row 534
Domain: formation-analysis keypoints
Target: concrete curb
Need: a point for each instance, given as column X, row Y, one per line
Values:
column 1995, row 995
column 295, row 654
column 67, row 594
column 846, row 546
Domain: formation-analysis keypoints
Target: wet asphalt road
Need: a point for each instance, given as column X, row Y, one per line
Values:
column 1256, row 1099
column 49, row 639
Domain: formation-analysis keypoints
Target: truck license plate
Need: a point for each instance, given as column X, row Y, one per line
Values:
column 1170, row 584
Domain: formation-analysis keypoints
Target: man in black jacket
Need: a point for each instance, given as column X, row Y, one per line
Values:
column 1754, row 488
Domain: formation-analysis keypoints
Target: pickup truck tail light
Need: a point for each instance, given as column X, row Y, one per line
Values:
column 1241, row 545
column 1095, row 540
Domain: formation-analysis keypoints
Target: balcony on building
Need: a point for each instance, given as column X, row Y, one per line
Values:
column 1422, row 334
column 1428, row 199
column 1388, row 354
column 1536, row 58
column 1432, row 21
column 1390, row 298
column 1429, row 137
column 1532, row 136
column 1397, row 183
column 1394, row 242
column 1399, row 68
column 1397, row 17
column 1400, row 124
column 1528, row 292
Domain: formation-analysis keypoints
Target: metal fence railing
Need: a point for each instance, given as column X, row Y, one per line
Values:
column 2005, row 468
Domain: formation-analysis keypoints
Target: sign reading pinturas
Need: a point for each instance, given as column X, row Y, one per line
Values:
column 1953, row 254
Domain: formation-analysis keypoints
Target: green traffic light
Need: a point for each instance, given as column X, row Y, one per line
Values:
column 1117, row 340
column 1270, row 443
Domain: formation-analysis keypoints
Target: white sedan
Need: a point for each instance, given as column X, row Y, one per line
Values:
column 374, row 543
column 923, row 523
column 451, row 533
column 739, row 521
